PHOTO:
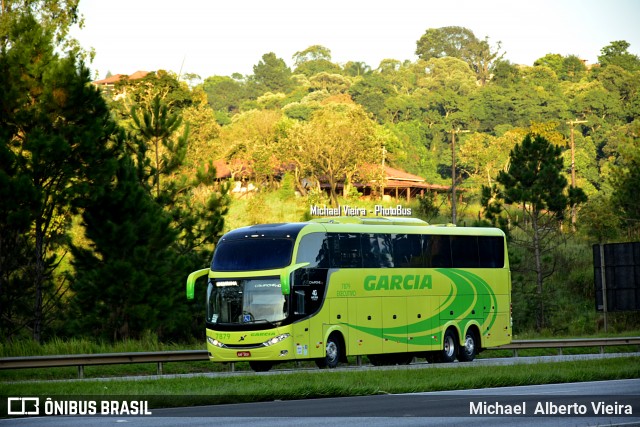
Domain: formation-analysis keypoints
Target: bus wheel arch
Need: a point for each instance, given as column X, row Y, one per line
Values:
column 471, row 345
column 334, row 351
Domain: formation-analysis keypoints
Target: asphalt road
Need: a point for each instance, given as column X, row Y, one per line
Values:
column 420, row 409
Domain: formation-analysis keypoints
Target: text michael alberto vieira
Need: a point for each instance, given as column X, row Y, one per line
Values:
column 550, row 408
column 346, row 210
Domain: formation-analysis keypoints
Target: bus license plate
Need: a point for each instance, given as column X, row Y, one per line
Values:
column 243, row 354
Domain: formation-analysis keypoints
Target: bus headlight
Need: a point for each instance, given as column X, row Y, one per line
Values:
column 215, row 342
column 276, row 340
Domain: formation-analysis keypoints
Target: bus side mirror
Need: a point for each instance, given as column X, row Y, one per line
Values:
column 285, row 277
column 191, row 281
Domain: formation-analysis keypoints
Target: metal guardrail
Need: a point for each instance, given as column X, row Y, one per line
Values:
column 160, row 357
column 82, row 360
column 568, row 343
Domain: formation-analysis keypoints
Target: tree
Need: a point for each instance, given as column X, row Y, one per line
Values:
column 626, row 180
column 124, row 278
column 535, row 182
column 157, row 127
column 447, row 85
column 197, row 209
column 154, row 220
column 62, row 141
column 56, row 17
column 224, row 93
column 461, row 43
column 313, row 60
column 617, row 53
column 370, row 92
column 272, row 74
column 19, row 202
column 356, row 68
column 336, row 145
column 566, row 68
column 312, row 53
column 551, row 60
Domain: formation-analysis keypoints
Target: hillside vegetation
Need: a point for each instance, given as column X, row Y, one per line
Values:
column 112, row 194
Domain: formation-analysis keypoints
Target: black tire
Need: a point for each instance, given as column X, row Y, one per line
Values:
column 449, row 346
column 399, row 359
column 470, row 348
column 260, row 366
column 390, row 359
column 433, row 356
column 333, row 353
column 376, row 360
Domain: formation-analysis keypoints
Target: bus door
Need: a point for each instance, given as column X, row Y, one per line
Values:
column 307, row 297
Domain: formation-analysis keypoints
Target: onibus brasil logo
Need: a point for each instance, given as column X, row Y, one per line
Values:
column 34, row 406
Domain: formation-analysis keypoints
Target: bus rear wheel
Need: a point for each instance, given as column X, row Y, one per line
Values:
column 333, row 354
column 470, row 349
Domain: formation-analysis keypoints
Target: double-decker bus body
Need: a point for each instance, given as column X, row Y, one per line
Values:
column 389, row 289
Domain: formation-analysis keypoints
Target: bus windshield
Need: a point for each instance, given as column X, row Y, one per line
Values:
column 252, row 254
column 246, row 301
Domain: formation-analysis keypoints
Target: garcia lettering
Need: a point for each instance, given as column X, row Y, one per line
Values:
column 397, row 282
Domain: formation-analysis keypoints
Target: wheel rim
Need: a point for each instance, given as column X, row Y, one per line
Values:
column 332, row 351
column 449, row 346
column 469, row 345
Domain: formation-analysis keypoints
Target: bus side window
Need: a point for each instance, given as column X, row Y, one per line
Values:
column 464, row 251
column 407, row 251
column 376, row 251
column 345, row 250
column 314, row 249
column 386, row 250
column 439, row 251
column 491, row 250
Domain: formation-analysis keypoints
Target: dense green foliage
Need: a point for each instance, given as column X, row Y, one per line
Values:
column 110, row 199
column 77, row 181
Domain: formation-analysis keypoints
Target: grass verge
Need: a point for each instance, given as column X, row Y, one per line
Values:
column 172, row 392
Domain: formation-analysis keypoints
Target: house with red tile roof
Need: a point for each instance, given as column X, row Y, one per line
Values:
column 107, row 85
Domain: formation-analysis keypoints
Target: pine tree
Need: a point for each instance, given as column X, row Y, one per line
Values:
column 535, row 184
column 62, row 139
column 124, row 279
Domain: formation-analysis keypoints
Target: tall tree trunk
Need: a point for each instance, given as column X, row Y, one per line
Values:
column 38, row 277
column 539, row 277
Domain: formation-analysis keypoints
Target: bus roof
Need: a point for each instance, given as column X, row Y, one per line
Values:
column 370, row 221
column 358, row 225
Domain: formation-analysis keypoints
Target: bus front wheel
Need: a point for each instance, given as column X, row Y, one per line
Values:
column 333, row 353
column 260, row 366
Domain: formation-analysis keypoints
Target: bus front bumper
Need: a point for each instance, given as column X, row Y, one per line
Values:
column 277, row 348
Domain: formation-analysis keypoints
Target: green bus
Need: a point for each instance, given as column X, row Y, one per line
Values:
column 391, row 289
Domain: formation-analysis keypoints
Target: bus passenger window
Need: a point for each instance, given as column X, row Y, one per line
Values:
column 376, row 251
column 491, row 250
column 407, row 251
column 314, row 249
column 345, row 250
column 440, row 251
column 464, row 251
